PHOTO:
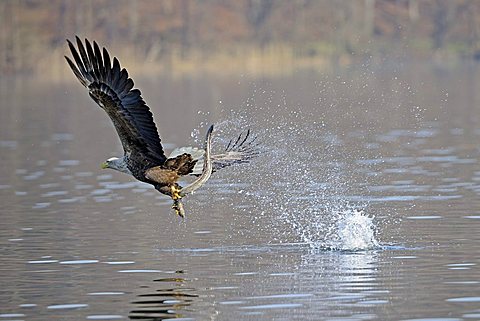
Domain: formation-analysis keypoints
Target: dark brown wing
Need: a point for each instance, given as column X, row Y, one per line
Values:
column 111, row 88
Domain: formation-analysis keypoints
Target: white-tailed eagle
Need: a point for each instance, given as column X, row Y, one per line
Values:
column 144, row 158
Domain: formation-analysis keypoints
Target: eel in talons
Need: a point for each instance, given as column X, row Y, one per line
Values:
column 202, row 179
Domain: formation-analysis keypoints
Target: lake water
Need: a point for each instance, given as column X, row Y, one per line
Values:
column 363, row 205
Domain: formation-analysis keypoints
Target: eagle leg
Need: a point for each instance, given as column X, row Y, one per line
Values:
column 177, row 203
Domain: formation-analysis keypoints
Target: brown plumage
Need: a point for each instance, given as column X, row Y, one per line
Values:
column 171, row 170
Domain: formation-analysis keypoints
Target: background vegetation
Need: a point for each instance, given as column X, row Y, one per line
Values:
column 240, row 35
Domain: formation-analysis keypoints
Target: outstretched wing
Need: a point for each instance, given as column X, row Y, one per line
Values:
column 111, row 88
column 239, row 150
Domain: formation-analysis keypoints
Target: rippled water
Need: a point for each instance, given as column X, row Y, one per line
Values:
column 364, row 204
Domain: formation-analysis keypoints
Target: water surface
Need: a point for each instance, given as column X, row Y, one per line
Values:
column 363, row 206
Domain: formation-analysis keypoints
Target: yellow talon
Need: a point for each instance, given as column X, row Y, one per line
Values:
column 175, row 192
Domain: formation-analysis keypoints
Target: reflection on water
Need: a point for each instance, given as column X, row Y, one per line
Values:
column 364, row 204
column 167, row 300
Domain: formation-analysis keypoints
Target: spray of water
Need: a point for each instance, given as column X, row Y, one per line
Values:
column 299, row 187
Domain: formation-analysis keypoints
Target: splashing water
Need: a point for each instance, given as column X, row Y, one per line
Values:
column 300, row 185
column 335, row 225
column 356, row 231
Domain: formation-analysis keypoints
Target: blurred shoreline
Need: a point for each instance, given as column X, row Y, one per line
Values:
column 251, row 37
column 246, row 62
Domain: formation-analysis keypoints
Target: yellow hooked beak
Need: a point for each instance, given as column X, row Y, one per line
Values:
column 104, row 165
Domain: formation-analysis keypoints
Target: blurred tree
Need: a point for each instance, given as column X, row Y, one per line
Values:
column 172, row 30
column 257, row 12
column 443, row 13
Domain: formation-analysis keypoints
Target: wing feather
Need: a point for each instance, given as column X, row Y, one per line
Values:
column 115, row 72
column 100, row 63
column 84, row 61
column 111, row 88
column 108, row 66
column 240, row 150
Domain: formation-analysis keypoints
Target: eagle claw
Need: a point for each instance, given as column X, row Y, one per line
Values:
column 177, row 204
column 178, row 207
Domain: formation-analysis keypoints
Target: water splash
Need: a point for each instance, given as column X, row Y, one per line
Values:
column 301, row 184
column 338, row 225
column 355, row 230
